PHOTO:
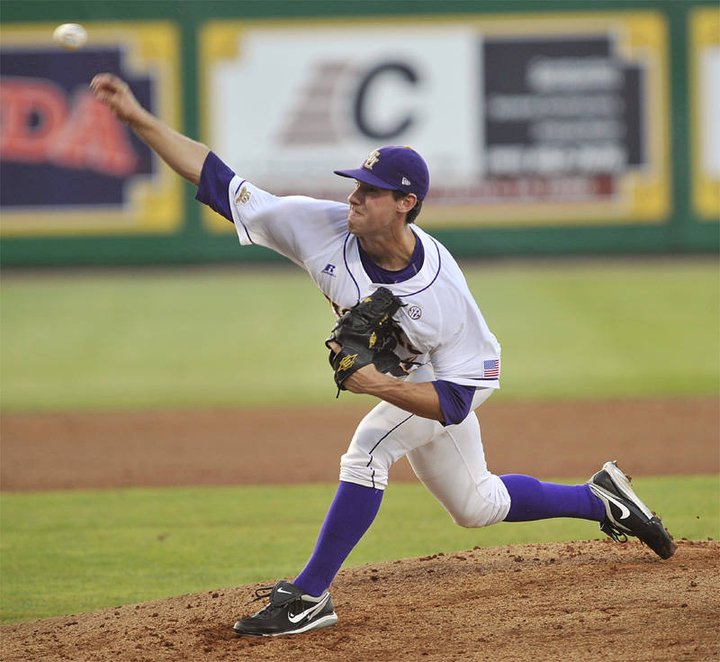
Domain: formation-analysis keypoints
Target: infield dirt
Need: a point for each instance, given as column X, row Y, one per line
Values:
column 568, row 601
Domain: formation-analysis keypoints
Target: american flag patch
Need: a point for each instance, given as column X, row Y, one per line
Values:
column 491, row 369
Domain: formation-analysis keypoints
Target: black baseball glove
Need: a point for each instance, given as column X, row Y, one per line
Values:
column 365, row 333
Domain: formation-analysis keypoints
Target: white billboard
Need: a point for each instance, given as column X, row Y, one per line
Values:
column 521, row 119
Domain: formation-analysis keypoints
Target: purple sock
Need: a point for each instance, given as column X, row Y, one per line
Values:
column 531, row 499
column 351, row 513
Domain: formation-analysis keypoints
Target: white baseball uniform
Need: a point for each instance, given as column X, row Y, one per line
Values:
column 446, row 338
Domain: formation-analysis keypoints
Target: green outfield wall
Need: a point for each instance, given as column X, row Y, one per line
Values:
column 550, row 128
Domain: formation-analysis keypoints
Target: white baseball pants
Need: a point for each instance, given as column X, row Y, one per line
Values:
column 449, row 460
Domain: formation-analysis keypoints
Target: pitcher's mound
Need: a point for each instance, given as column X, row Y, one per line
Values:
column 566, row 601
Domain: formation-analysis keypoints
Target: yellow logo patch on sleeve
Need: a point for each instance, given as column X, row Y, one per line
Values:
column 243, row 196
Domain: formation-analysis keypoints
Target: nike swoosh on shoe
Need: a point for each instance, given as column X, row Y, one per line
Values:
column 624, row 512
column 307, row 613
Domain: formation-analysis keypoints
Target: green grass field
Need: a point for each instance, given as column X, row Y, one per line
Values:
column 223, row 337
column 197, row 338
column 68, row 552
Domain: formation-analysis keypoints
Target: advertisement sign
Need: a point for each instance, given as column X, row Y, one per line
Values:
column 67, row 165
column 705, row 115
column 523, row 119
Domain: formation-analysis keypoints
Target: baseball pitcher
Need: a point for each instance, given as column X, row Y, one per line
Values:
column 409, row 332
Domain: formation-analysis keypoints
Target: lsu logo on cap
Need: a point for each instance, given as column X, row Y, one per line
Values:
column 372, row 159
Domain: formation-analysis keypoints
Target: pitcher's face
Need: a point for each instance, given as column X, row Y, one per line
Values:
column 372, row 210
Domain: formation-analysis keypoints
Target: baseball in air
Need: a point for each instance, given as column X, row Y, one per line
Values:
column 70, row 36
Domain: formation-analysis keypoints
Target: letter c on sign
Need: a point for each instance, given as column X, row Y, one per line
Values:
column 361, row 118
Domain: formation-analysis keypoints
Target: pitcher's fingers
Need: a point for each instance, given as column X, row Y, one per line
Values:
column 106, row 81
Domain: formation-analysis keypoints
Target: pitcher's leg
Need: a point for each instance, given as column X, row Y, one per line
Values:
column 385, row 435
column 532, row 499
column 351, row 513
column 452, row 466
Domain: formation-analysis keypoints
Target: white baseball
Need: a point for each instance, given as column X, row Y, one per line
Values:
column 70, row 36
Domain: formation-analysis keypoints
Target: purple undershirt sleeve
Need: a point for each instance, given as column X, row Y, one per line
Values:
column 455, row 400
column 215, row 180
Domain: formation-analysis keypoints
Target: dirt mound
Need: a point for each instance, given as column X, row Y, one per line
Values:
column 574, row 601
column 569, row 601
column 303, row 445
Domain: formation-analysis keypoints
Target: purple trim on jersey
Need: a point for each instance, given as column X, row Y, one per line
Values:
column 347, row 266
column 455, row 400
column 247, row 233
column 379, row 275
column 409, row 294
column 215, row 179
column 437, row 273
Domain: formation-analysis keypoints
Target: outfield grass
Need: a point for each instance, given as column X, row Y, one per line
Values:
column 232, row 337
column 229, row 337
column 68, row 552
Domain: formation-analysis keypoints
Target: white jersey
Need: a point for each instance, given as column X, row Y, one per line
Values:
column 440, row 319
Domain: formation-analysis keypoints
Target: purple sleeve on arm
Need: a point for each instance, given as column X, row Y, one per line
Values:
column 455, row 400
column 212, row 191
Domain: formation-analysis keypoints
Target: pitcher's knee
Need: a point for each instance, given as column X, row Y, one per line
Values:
column 474, row 520
column 488, row 505
column 363, row 471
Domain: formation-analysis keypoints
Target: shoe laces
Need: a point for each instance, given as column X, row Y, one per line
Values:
column 262, row 593
column 617, row 535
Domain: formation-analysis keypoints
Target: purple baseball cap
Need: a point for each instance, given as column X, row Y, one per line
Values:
column 393, row 167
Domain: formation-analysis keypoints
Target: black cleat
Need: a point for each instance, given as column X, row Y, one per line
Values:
column 289, row 612
column 626, row 514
